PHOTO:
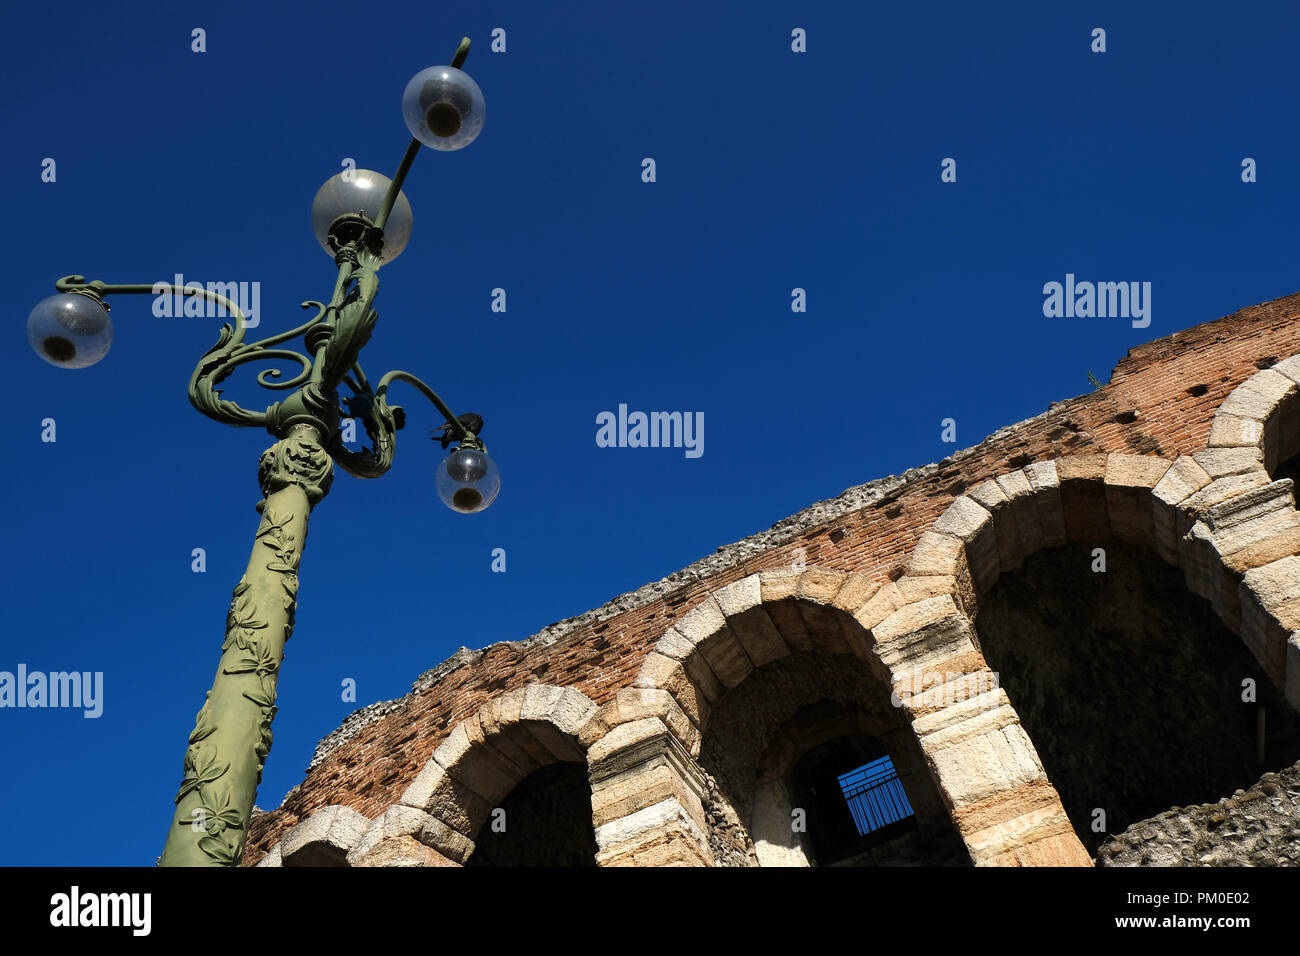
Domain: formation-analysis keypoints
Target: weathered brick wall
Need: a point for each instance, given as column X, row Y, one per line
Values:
column 1161, row 400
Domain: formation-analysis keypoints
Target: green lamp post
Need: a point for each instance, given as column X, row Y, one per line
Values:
column 363, row 220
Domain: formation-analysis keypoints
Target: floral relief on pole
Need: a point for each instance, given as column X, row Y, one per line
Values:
column 296, row 461
column 250, row 650
column 215, row 816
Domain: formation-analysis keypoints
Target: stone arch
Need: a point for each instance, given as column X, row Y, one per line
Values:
column 1216, row 514
column 752, row 622
column 322, row 839
column 1260, row 423
column 892, row 629
column 1262, row 414
column 478, row 764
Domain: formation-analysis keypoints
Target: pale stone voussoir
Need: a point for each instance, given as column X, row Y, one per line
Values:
column 1042, row 475
column 1183, row 479
column 963, row 519
column 988, row 494
column 510, row 705
column 739, row 596
column 400, row 820
column 624, row 736
column 324, row 838
column 1223, row 462
column 1135, row 471
column 702, row 621
column 272, row 857
column 658, row 671
column 1245, row 402
column 539, row 701
column 447, row 798
column 566, row 708
column 882, row 604
column 778, row 584
column 1046, row 483
column 1082, row 467
column 674, row 645
column 1272, row 384
column 638, row 703
column 914, row 589
column 915, row 616
column 1015, row 485
column 857, row 590
column 716, row 643
column 937, row 553
column 1290, row 367
column 1275, row 583
column 453, row 750
column 402, row 851
column 820, row 585
column 1232, row 431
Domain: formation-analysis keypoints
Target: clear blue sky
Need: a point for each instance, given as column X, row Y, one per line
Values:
column 775, row 170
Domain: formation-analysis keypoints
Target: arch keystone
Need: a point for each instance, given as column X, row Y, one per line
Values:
column 1129, row 481
column 815, row 600
column 779, row 589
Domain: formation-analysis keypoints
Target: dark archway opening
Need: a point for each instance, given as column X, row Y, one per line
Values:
column 1288, row 469
column 854, row 802
column 544, row 821
column 778, row 743
column 1129, row 686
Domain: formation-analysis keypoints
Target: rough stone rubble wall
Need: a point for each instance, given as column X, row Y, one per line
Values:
column 1255, row 827
column 1161, row 400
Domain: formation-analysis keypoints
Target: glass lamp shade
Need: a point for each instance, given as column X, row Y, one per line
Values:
column 361, row 191
column 467, row 481
column 443, row 108
column 70, row 330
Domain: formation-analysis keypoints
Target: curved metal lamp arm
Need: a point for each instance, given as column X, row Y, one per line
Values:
column 99, row 289
column 463, row 434
column 230, row 352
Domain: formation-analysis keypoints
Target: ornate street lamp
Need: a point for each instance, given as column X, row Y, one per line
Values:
column 363, row 220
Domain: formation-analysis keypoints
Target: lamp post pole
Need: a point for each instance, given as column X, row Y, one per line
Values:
column 232, row 734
